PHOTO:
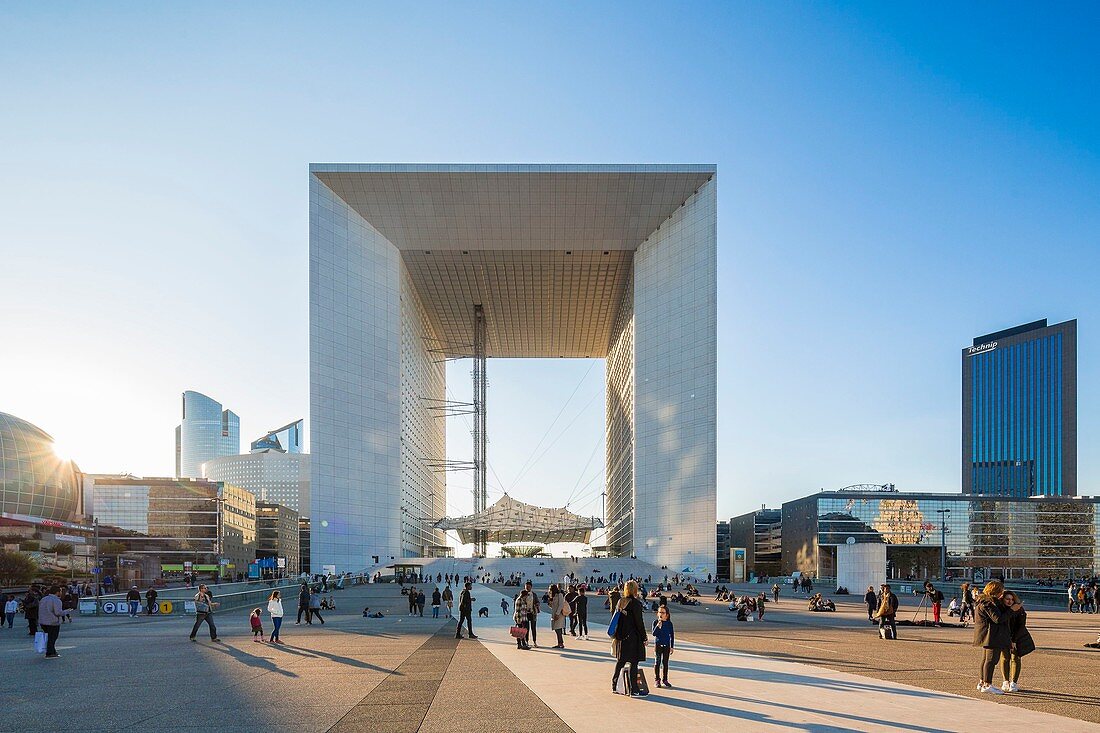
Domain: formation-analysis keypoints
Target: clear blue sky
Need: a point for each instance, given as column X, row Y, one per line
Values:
column 893, row 180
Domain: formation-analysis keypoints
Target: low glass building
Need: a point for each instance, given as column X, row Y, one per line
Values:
column 984, row 536
column 34, row 482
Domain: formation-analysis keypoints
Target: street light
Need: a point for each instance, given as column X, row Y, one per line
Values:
column 943, row 543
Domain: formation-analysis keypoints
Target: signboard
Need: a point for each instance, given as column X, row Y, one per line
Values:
column 188, row 606
column 281, row 563
column 86, row 607
column 979, row 576
column 186, row 564
column 329, row 569
column 171, row 568
column 981, row 348
column 72, row 539
column 737, row 564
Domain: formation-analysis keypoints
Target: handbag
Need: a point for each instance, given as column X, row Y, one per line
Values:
column 202, row 607
column 566, row 609
column 616, row 645
column 611, row 627
column 40, row 642
column 518, row 632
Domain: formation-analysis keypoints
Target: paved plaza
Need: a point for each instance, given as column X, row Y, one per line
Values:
column 795, row 671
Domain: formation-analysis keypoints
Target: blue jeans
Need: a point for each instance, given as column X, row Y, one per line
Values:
column 134, row 606
column 277, row 621
column 435, row 611
column 11, row 618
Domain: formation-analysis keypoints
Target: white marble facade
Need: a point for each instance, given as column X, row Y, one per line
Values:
column 394, row 258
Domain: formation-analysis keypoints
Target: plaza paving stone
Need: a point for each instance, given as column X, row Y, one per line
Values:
column 795, row 671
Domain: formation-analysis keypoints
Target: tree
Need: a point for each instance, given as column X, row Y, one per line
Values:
column 61, row 548
column 16, row 568
column 111, row 547
column 29, row 545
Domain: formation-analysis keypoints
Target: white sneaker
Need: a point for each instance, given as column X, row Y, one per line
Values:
column 1013, row 687
column 989, row 689
column 1006, row 686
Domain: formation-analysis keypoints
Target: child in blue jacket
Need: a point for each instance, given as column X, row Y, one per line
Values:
column 664, row 639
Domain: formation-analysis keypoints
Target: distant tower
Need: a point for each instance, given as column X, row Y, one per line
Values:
column 1019, row 416
column 287, row 439
column 206, row 432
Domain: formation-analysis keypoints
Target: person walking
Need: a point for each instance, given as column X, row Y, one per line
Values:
column 581, row 612
column 887, row 614
column 420, row 602
column 533, row 610
column 204, row 611
column 133, row 600
column 558, row 609
column 664, row 639
column 255, row 620
column 504, row 606
column 871, row 599
column 631, row 637
column 465, row 611
column 1022, row 643
column 436, row 599
column 275, row 610
column 11, row 606
column 967, row 612
column 315, row 606
column 30, row 610
column 303, row 604
column 449, row 599
column 775, row 593
column 50, row 615
column 150, row 601
column 1071, row 592
column 991, row 632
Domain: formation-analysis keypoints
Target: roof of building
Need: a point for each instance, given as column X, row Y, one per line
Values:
column 509, row 520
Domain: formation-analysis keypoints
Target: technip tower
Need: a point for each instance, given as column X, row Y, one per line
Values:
column 413, row 263
column 1019, row 416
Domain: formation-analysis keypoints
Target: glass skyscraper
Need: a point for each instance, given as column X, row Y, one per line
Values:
column 1019, row 435
column 206, row 432
column 287, row 439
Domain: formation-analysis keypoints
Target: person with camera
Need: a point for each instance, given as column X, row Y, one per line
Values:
column 935, row 597
column 204, row 611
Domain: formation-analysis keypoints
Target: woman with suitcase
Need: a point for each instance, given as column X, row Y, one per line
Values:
column 630, row 634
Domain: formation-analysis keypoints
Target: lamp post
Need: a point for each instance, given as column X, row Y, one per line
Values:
column 943, row 543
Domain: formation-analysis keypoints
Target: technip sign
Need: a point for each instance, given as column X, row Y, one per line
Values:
column 981, row 348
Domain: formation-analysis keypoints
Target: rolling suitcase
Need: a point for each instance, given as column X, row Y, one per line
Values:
column 642, row 687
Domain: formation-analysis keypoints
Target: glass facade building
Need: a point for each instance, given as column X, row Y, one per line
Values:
column 272, row 476
column 1019, row 435
column 34, row 481
column 287, row 439
column 205, row 433
column 1010, row 537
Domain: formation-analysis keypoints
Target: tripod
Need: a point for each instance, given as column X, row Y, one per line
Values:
column 922, row 607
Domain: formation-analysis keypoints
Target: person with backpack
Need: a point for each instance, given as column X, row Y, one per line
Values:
column 887, row 614
column 315, row 606
column 1022, row 643
column 991, row 632
column 559, row 611
column 204, row 611
column 630, row 638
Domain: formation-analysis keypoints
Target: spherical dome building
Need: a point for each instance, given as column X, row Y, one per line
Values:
column 33, row 479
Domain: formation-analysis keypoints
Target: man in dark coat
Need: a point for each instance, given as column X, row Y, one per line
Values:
column 150, row 601
column 303, row 604
column 465, row 611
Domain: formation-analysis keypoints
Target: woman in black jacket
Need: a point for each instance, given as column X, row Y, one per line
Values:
column 631, row 636
column 1022, row 643
column 991, row 632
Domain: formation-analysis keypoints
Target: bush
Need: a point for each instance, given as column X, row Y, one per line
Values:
column 61, row 548
column 16, row 568
column 29, row 545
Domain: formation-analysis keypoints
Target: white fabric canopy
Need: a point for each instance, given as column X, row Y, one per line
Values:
column 509, row 520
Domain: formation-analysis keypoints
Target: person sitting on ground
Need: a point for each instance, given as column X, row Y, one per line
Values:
column 953, row 607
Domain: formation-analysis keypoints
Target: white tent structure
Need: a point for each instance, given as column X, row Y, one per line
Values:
column 508, row 520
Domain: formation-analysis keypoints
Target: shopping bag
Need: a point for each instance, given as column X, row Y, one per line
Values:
column 518, row 632
column 40, row 642
column 614, row 622
column 640, row 684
